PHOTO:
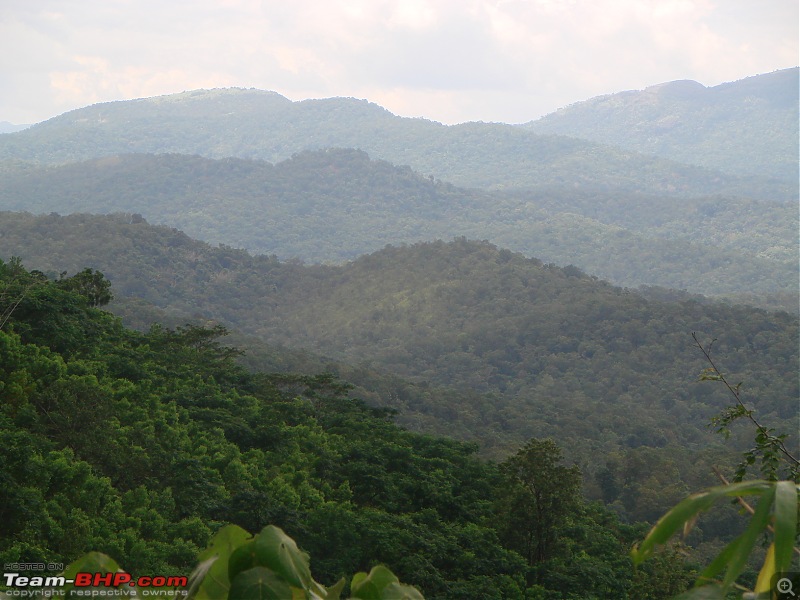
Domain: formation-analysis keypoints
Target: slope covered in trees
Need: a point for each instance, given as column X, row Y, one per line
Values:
column 472, row 341
column 334, row 205
column 141, row 445
column 742, row 127
column 264, row 125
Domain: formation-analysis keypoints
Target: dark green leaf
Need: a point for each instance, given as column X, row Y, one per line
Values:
column 259, row 583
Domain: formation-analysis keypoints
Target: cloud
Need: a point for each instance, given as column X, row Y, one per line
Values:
column 449, row 60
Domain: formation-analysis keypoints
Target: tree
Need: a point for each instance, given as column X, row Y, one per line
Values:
column 537, row 494
column 90, row 284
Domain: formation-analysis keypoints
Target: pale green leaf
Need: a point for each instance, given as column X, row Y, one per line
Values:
column 764, row 582
column 785, row 524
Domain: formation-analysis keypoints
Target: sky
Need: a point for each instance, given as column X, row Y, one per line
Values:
column 446, row 60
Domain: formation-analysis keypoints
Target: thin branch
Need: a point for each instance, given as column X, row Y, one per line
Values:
column 10, row 311
column 735, row 393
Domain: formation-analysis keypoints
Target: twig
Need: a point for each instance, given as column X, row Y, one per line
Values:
column 11, row 310
column 735, row 393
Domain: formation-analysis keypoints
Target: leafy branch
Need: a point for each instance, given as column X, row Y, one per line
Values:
column 770, row 446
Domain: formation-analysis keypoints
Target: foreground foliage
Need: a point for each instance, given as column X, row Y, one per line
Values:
column 238, row 566
column 776, row 511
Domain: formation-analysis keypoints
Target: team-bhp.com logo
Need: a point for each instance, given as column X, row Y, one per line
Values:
column 95, row 585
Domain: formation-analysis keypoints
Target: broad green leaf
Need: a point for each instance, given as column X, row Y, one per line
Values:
column 399, row 591
column 242, row 559
column 357, row 580
column 332, row 593
column 381, row 584
column 259, row 583
column 224, row 542
column 279, row 552
column 209, row 581
column 198, row 576
column 785, row 523
column 317, row 591
column 369, row 587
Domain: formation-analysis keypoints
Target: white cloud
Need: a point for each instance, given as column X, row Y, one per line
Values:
column 449, row 60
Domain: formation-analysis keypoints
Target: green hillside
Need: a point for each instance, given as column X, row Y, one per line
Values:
column 742, row 127
column 334, row 205
column 509, row 348
column 264, row 125
column 141, row 445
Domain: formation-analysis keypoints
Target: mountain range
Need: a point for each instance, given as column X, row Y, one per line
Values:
column 741, row 127
column 263, row 125
column 329, row 206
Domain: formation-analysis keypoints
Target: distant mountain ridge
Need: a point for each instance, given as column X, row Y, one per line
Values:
column 334, row 205
column 6, row 127
column 748, row 126
column 264, row 125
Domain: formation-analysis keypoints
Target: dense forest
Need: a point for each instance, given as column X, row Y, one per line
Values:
column 142, row 444
column 465, row 339
column 335, row 205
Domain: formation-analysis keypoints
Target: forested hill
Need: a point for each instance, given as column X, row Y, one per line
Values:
column 525, row 349
column 264, row 125
column 142, row 445
column 334, row 205
column 742, row 127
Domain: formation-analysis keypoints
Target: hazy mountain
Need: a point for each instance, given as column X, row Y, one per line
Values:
column 526, row 349
column 265, row 125
column 334, row 205
column 6, row 127
column 743, row 127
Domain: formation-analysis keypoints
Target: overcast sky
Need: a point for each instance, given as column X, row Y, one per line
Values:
column 446, row 60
